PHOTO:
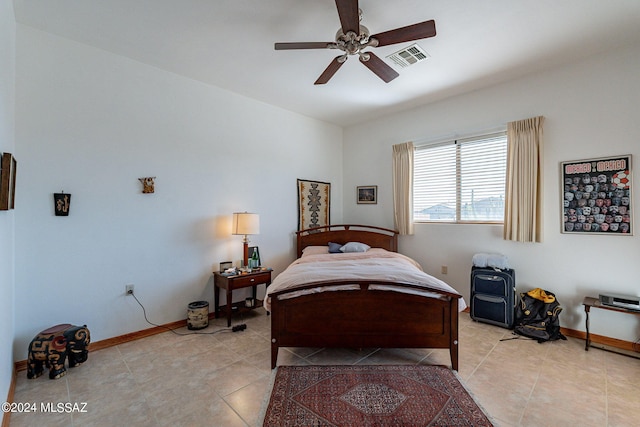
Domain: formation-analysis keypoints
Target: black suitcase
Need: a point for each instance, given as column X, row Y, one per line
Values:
column 493, row 295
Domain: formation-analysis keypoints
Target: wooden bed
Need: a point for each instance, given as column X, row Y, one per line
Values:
column 362, row 318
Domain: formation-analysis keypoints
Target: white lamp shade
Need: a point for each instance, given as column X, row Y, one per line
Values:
column 245, row 223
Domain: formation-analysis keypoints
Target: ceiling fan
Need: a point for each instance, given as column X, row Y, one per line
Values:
column 352, row 38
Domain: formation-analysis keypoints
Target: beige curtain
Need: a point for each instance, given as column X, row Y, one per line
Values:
column 523, row 199
column 403, row 187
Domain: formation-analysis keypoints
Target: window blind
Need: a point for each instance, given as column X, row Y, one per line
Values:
column 461, row 180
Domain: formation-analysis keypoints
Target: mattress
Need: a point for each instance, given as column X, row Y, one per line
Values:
column 316, row 264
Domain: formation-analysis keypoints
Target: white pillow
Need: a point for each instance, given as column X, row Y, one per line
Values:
column 355, row 247
column 315, row 250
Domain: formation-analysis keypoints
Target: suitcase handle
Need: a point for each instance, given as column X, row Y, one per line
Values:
column 489, row 298
column 492, row 278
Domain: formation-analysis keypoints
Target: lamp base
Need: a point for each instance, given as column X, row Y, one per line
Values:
column 245, row 246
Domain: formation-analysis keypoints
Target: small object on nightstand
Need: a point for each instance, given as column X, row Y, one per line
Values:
column 254, row 261
column 233, row 271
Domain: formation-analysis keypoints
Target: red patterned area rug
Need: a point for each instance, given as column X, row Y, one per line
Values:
column 380, row 395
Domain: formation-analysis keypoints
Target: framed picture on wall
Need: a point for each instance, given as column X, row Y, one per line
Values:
column 14, row 171
column 367, row 194
column 596, row 196
column 8, row 167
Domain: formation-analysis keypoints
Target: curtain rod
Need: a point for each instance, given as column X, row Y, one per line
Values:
column 456, row 136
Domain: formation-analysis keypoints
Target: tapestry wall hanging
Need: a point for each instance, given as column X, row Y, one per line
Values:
column 314, row 199
column 596, row 196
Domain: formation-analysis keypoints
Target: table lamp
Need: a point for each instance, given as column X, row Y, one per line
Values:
column 245, row 223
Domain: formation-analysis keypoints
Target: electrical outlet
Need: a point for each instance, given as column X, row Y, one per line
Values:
column 444, row 269
column 128, row 289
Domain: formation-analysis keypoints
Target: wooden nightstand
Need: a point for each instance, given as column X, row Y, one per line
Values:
column 231, row 283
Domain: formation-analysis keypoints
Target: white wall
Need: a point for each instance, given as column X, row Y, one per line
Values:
column 591, row 109
column 7, row 131
column 91, row 123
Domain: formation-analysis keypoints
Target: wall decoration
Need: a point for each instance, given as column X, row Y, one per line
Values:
column 14, row 169
column 367, row 194
column 596, row 196
column 314, row 199
column 8, row 166
column 61, row 203
column 148, row 184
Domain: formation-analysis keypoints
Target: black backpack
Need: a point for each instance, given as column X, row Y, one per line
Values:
column 536, row 316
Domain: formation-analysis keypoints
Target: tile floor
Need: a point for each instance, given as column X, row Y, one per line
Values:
column 221, row 379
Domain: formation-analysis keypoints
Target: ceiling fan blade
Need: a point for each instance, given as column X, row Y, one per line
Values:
column 349, row 15
column 330, row 70
column 417, row 31
column 379, row 67
column 302, row 45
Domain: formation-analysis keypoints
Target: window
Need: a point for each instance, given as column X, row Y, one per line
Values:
column 461, row 180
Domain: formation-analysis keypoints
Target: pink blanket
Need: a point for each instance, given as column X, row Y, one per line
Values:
column 375, row 264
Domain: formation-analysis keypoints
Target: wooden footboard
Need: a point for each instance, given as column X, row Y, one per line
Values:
column 365, row 318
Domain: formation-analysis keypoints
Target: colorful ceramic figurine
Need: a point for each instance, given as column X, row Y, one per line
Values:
column 51, row 347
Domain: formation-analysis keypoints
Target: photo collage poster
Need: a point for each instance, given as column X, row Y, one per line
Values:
column 596, row 196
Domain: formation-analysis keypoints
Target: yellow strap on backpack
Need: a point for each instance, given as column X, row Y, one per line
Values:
column 540, row 294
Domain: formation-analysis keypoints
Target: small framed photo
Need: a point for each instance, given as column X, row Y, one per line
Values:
column 14, row 168
column 224, row 265
column 8, row 167
column 367, row 194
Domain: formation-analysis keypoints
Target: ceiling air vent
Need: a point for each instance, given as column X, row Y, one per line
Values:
column 409, row 56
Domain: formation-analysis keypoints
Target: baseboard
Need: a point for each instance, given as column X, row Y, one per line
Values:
column 6, row 416
column 614, row 343
column 110, row 342
column 633, row 348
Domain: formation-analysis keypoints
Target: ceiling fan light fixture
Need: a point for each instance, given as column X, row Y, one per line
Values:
column 353, row 43
column 364, row 57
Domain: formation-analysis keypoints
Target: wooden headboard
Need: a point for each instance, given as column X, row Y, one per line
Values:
column 376, row 237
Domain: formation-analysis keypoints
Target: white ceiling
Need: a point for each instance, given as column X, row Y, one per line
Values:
column 229, row 44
